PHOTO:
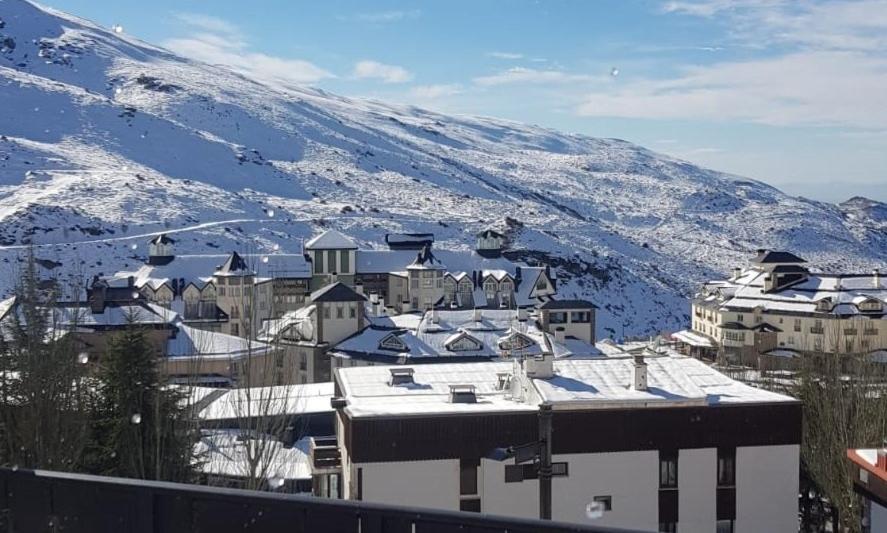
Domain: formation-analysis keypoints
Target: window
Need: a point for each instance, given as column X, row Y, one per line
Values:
column 668, row 527
column 817, row 344
column 606, row 500
column 726, row 468
column 580, row 316
column 541, row 285
column 326, row 312
column 235, row 329
column 467, row 477
column 740, row 318
column 344, row 262
column 340, row 311
column 331, row 260
column 352, row 311
column 817, row 327
column 724, row 526
column 668, row 470
column 797, row 324
column 557, row 318
column 471, row 505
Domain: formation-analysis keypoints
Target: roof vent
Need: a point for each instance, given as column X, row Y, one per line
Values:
column 503, row 380
column 462, row 394
column 640, row 373
column 400, row 376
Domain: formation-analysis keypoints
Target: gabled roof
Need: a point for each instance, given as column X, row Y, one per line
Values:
column 425, row 260
column 489, row 232
column 337, row 292
column 567, row 304
column 770, row 257
column 330, row 240
column 161, row 239
column 235, row 265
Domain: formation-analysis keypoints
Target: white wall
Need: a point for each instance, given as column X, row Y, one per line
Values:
column 767, row 488
column 519, row 500
column 631, row 478
column 697, row 490
column 413, row 483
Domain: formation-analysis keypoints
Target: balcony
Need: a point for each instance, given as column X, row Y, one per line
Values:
column 818, row 331
column 325, row 456
column 55, row 501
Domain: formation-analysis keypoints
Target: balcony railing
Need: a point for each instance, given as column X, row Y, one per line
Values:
column 816, row 330
column 54, row 501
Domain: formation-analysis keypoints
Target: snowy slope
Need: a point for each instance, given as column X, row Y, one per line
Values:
column 105, row 140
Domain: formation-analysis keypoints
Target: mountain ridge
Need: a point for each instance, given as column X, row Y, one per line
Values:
column 106, row 140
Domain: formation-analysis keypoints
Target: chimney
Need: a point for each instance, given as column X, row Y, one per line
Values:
column 406, row 306
column 334, row 277
column 560, row 335
column 737, row 272
column 541, row 367
column 474, row 278
column 97, row 298
column 760, row 251
column 359, row 288
column 881, row 462
column 640, row 373
column 517, row 275
column 876, row 278
column 478, row 314
column 435, row 317
column 521, row 314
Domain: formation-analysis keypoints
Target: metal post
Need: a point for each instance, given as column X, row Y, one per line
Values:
column 545, row 461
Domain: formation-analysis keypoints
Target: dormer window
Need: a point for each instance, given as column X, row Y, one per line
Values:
column 871, row 305
column 824, row 305
column 462, row 342
column 392, row 343
column 515, row 341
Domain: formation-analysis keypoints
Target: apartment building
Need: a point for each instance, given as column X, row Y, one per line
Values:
column 778, row 306
column 658, row 443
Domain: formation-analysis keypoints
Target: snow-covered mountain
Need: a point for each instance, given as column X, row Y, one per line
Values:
column 105, row 140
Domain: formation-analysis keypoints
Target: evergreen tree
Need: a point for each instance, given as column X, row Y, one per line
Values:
column 142, row 427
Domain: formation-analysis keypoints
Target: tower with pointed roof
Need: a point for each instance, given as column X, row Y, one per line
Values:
column 333, row 256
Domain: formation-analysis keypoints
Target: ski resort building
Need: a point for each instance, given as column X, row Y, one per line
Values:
column 404, row 303
column 778, row 307
column 655, row 443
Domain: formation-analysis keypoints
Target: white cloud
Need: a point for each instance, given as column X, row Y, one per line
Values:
column 388, row 16
column 802, row 88
column 220, row 42
column 431, row 92
column 505, row 55
column 387, row 73
column 829, row 69
column 523, row 75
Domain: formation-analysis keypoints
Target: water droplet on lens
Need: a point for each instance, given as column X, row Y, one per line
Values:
column 275, row 482
column 83, row 358
column 614, row 72
column 133, row 246
column 117, row 28
column 264, row 258
column 136, row 418
column 276, row 247
column 271, row 213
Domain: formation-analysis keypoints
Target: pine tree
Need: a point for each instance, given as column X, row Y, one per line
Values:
column 141, row 427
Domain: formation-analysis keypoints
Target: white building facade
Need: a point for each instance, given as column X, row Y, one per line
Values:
column 693, row 451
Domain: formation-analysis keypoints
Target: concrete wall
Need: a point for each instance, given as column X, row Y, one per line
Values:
column 412, row 483
column 697, row 490
column 767, row 488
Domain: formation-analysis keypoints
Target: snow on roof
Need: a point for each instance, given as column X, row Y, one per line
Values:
column 300, row 318
column 111, row 315
column 330, row 240
column 594, row 383
column 692, row 338
column 290, row 400
column 6, row 305
column 198, row 343
column 198, row 269
column 867, row 458
column 368, row 393
column 383, row 261
column 223, row 452
column 337, row 292
column 846, row 292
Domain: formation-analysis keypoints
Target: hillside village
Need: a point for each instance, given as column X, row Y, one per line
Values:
column 345, row 342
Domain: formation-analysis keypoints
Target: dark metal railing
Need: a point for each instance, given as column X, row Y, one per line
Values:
column 42, row 501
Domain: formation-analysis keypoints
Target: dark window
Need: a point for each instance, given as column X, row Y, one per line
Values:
column 468, row 476
column 668, row 470
column 726, row 468
column 668, row 527
column 724, row 526
column 471, row 505
column 606, row 500
column 359, row 484
column 557, row 317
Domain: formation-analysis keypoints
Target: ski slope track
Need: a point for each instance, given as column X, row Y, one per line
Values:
column 106, row 140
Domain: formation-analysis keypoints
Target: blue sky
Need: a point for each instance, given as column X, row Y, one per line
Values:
column 791, row 93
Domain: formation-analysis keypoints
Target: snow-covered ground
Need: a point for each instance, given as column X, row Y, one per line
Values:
column 105, row 140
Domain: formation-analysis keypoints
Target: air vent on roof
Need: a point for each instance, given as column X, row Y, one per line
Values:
column 401, row 376
column 462, row 394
